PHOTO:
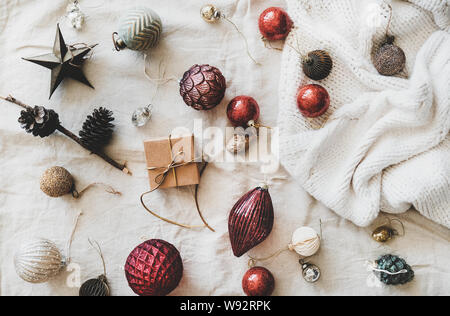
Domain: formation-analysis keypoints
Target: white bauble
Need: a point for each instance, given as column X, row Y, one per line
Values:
column 38, row 261
column 305, row 242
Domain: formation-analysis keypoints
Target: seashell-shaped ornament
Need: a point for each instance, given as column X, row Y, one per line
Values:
column 317, row 65
column 38, row 261
column 251, row 220
column 139, row 29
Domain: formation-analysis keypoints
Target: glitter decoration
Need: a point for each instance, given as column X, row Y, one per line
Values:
column 75, row 17
column 311, row 273
column 38, row 261
column 57, row 182
column 258, row 281
column 142, row 116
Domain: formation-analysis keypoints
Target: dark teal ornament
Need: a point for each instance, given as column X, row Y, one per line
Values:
column 393, row 270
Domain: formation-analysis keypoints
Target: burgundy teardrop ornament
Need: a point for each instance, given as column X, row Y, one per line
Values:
column 154, row 268
column 251, row 220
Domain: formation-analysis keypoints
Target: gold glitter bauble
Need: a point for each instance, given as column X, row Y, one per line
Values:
column 209, row 13
column 56, row 182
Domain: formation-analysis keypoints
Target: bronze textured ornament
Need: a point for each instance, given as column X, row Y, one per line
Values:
column 317, row 65
column 64, row 61
column 389, row 59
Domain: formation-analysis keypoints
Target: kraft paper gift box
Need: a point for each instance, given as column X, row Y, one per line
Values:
column 160, row 153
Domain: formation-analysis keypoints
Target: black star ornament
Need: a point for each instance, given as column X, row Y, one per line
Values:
column 64, row 61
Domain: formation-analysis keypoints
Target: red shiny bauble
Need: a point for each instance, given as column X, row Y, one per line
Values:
column 251, row 220
column 154, row 268
column 275, row 24
column 203, row 87
column 313, row 100
column 242, row 110
column 258, row 281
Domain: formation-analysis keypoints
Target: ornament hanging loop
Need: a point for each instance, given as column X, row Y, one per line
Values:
column 119, row 44
column 98, row 249
column 396, row 232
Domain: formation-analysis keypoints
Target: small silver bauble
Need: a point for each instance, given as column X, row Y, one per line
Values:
column 311, row 272
column 142, row 115
column 237, row 144
column 75, row 17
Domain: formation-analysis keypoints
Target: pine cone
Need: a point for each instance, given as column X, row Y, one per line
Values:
column 97, row 129
column 39, row 121
column 394, row 264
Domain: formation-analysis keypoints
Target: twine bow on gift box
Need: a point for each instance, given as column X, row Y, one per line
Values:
column 161, row 177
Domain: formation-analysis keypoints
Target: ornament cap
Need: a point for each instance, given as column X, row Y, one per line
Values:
column 119, row 44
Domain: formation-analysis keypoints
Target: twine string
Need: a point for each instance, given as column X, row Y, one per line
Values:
column 162, row 73
column 243, row 37
column 76, row 46
column 77, row 194
column 98, row 249
column 72, row 234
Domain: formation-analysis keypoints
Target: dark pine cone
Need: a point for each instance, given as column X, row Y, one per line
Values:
column 203, row 87
column 97, row 129
column 39, row 121
column 394, row 264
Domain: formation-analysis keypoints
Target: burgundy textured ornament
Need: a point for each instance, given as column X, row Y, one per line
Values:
column 251, row 220
column 313, row 100
column 243, row 111
column 258, row 281
column 154, row 268
column 275, row 24
column 203, row 87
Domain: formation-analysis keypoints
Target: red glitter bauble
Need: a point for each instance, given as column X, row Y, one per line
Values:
column 242, row 110
column 203, row 87
column 258, row 281
column 275, row 24
column 154, row 268
column 313, row 100
column 251, row 220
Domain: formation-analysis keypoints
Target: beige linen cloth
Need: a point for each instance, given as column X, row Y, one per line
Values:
column 119, row 224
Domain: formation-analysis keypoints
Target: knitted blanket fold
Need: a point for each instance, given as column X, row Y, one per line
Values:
column 384, row 145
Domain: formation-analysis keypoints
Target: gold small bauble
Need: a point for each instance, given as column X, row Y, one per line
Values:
column 383, row 234
column 210, row 13
column 57, row 182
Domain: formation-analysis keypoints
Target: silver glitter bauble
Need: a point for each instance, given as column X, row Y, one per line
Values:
column 142, row 115
column 311, row 272
column 75, row 17
column 38, row 261
column 139, row 29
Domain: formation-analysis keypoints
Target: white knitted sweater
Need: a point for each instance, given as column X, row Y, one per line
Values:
column 386, row 146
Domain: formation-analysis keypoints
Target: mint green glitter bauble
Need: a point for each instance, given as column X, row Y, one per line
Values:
column 140, row 29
